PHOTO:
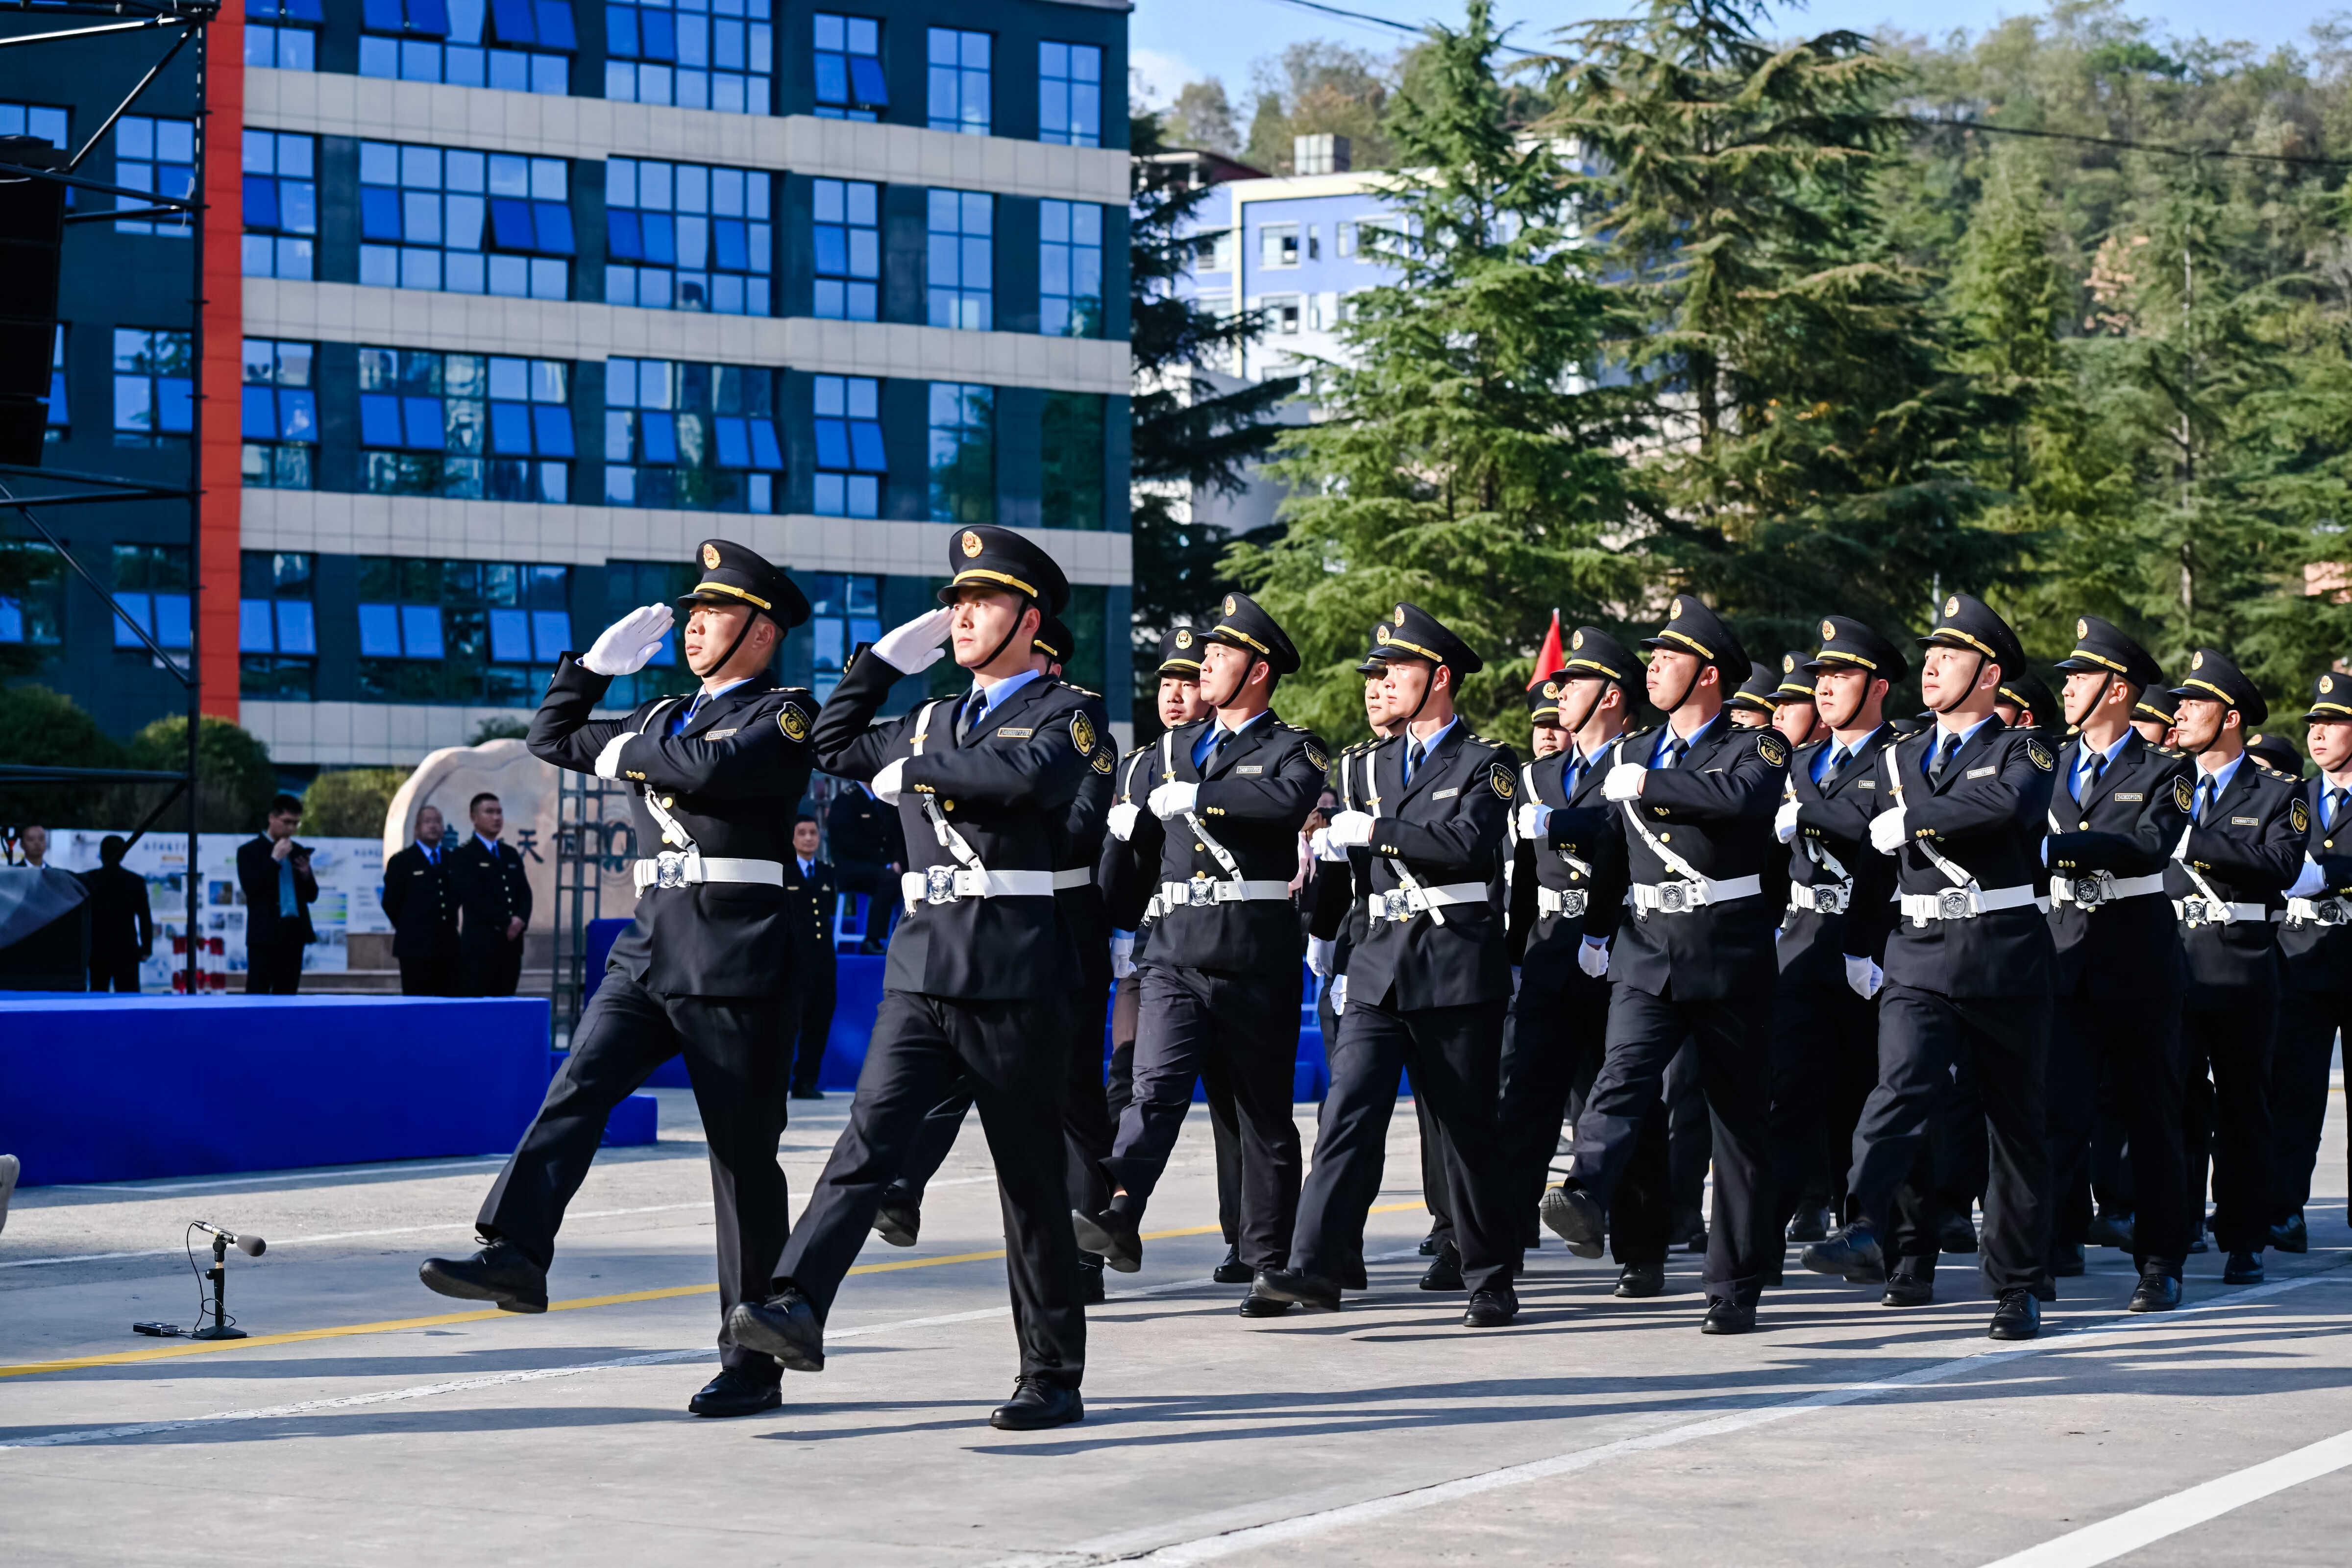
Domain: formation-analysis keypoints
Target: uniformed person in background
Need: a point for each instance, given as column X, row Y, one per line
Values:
column 1217, row 838
column 705, row 969
column 2114, row 815
column 2026, row 702
column 493, row 902
column 1956, row 820
column 1428, row 982
column 2239, row 857
column 2152, row 717
column 1751, row 705
column 976, row 986
column 2278, row 752
column 2316, row 945
column 1794, row 713
column 810, row 888
column 423, row 908
column 1690, row 957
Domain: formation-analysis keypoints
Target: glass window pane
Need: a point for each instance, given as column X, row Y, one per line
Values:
column 254, row 631
column 297, row 628
column 420, row 628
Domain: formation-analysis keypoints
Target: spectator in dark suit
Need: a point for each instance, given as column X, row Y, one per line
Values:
column 867, row 856
column 809, row 894
column 274, row 873
column 495, row 898
column 420, row 901
column 121, row 926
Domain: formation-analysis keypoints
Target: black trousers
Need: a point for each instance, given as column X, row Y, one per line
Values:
column 879, row 884
column 1550, row 1056
column 273, row 966
column 2308, row 1022
column 810, row 1018
column 1433, row 1195
column 1825, row 1063
column 1455, row 1057
column 2229, row 1030
column 2133, row 1042
column 493, row 966
column 731, row 1050
column 1922, row 1035
column 1225, row 1121
column 121, row 974
column 1690, row 1134
column 1249, row 1023
column 1013, row 1055
column 1349, row 1267
column 440, row 974
column 1743, row 1236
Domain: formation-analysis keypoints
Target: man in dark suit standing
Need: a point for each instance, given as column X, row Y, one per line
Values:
column 274, row 873
column 121, row 929
column 420, row 901
column 494, row 896
column 809, row 894
column 866, row 857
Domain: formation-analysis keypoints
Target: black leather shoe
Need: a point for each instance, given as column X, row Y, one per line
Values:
column 1305, row 1290
column 1430, row 1244
column 2111, row 1227
column 1955, row 1234
column 1637, row 1280
column 1233, row 1270
column 1811, row 1223
column 1575, row 1216
column 785, row 1325
column 1090, row 1280
column 1036, row 1404
column 1904, row 1291
column 1444, row 1272
column 1491, row 1309
column 2243, row 1268
column 1851, row 1251
column 2066, row 1262
column 498, row 1274
column 808, row 1092
column 1257, row 1306
column 2017, row 1317
column 735, row 1391
column 898, row 1222
column 1112, row 1234
column 2197, row 1242
column 2291, row 1234
column 1726, row 1317
column 2154, row 1293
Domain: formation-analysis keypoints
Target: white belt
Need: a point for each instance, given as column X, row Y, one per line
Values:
column 1403, row 903
column 2096, row 888
column 2198, row 911
column 1965, row 903
column 1822, row 898
column 1557, row 901
column 684, row 867
column 1203, row 892
column 953, row 884
column 1680, row 896
column 2330, row 912
column 1070, row 876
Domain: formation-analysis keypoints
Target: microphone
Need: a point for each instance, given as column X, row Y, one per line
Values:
column 251, row 1246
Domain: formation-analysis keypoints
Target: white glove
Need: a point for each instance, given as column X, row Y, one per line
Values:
column 917, row 644
column 2310, row 881
column 1122, row 820
column 627, row 644
column 1350, row 830
column 890, row 782
column 1339, row 995
column 1531, row 817
column 1784, row 821
column 1320, row 952
column 608, row 761
column 1623, row 782
column 1592, row 957
column 1122, row 952
column 1319, row 844
column 2180, row 850
column 1887, row 832
column 1863, row 977
column 1173, row 798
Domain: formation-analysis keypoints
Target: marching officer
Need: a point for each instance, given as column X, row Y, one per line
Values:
column 1428, row 982
column 2025, row 703
column 1218, row 837
column 974, row 988
column 2114, row 815
column 1794, row 713
column 1965, row 970
column 1691, row 957
column 2316, row 945
column 2152, row 717
column 705, row 969
column 1752, row 704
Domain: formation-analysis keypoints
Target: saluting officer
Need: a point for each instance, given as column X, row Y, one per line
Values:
column 1428, row 982
column 2316, row 946
column 974, row 988
column 707, row 966
column 1690, row 957
column 1220, row 832
column 2115, row 816
column 1965, row 970
column 2238, row 859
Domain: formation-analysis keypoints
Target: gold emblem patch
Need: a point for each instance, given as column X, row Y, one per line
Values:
column 2184, row 794
column 1673, row 611
column 1399, row 618
column 1829, row 631
column 1230, row 605
column 1381, row 632
column 2039, row 755
column 1103, row 763
column 2197, row 661
column 1551, row 689
column 2299, row 815
column 1318, row 756
column 1787, row 664
column 792, row 722
column 1500, row 778
column 1576, row 640
column 2082, row 628
column 1082, row 733
column 971, row 545
column 710, row 557
column 1183, row 636
column 1772, row 749
column 1952, row 605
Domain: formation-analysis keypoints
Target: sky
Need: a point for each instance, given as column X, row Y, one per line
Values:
column 1172, row 42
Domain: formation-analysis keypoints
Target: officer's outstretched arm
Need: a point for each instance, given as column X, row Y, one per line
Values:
column 1524, row 912
column 1469, row 838
column 1283, row 798
column 1043, row 771
column 1749, row 789
column 2138, row 853
column 561, row 733
column 845, row 740
column 2267, row 863
column 1841, row 824
column 756, row 760
column 2016, row 793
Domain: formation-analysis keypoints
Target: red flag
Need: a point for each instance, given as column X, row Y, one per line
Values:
column 1549, row 660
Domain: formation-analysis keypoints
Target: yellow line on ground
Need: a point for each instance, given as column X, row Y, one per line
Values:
column 577, row 1303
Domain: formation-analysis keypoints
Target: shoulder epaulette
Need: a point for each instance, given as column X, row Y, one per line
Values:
column 1082, row 690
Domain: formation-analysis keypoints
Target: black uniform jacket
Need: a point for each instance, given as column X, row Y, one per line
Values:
column 1447, row 827
column 1118, row 875
column 1253, row 801
column 121, row 922
column 1581, row 852
column 2319, row 957
column 1086, row 837
column 421, row 902
column 809, row 902
column 1832, row 843
column 257, row 876
column 2127, row 826
column 2249, row 851
column 1714, row 809
column 1986, row 817
column 733, row 781
column 491, row 890
column 1008, row 795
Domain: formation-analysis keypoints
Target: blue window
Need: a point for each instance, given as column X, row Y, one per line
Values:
column 35, row 612
column 277, row 624
column 1069, row 269
column 684, row 238
column 281, row 203
column 696, row 54
column 845, row 609
column 958, row 97
column 850, row 459
column 1069, row 94
column 848, row 237
column 697, row 436
column 279, row 415
column 849, row 84
column 34, row 120
column 467, row 426
column 962, row 260
column 464, row 222
column 963, row 452
column 157, row 156
column 277, row 34
column 1071, row 490
column 460, row 631
column 517, row 46
column 152, row 585
column 155, row 384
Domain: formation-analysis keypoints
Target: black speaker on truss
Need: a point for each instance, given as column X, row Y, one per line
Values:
column 32, row 233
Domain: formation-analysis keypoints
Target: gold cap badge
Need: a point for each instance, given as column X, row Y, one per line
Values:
column 1829, row 631
column 1952, row 605
column 971, row 544
column 1576, row 641
column 1230, row 606
column 710, row 557
column 2082, row 628
column 1183, row 636
column 2197, row 661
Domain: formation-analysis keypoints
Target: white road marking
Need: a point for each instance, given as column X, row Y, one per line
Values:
column 336, row 1235
column 2112, row 1538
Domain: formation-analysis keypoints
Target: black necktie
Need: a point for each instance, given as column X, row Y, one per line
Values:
column 1573, row 776
column 2334, row 804
column 1216, row 749
column 1829, row 771
column 1945, row 746
column 974, row 709
column 1675, row 746
column 1415, row 755
column 2206, row 792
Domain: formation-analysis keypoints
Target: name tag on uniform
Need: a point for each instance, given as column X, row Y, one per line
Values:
column 2135, row 795
column 1444, row 793
column 1010, row 734
column 1981, row 773
column 1865, row 783
column 1251, row 768
column 2245, row 821
column 720, row 734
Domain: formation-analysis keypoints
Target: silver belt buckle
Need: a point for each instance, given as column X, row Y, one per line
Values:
column 1829, row 899
column 670, row 868
column 1200, row 893
column 2090, row 893
column 938, row 885
column 2193, row 913
column 1572, row 902
column 1396, row 905
column 1953, row 904
column 2332, row 912
column 1675, row 898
